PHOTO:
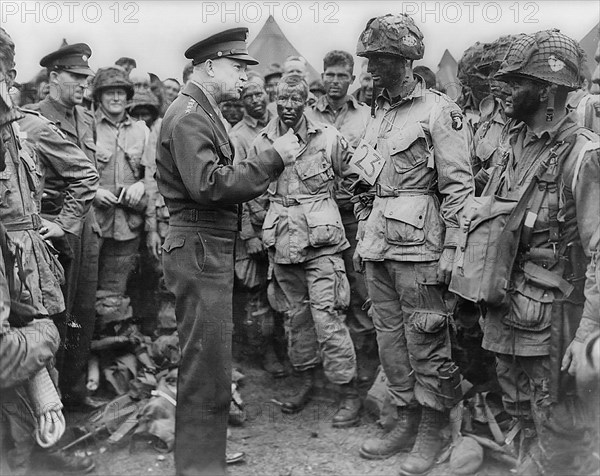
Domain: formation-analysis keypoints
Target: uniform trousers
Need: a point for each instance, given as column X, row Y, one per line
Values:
column 198, row 266
column 317, row 292
column 413, row 333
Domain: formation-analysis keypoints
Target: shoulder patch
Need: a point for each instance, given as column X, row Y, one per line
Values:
column 457, row 120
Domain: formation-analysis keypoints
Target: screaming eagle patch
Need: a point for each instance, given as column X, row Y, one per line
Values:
column 457, row 120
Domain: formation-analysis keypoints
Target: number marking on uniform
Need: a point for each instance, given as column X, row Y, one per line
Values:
column 367, row 162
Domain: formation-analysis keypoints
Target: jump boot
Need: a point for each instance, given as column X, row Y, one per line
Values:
column 296, row 403
column 348, row 412
column 428, row 444
column 401, row 437
column 270, row 361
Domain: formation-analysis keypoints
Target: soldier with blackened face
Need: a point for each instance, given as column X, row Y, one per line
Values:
column 407, row 239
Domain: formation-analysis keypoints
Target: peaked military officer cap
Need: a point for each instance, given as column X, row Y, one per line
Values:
column 227, row 44
column 71, row 58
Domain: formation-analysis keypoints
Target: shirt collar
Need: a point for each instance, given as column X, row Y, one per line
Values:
column 306, row 128
column 101, row 116
column 418, row 91
column 61, row 108
column 322, row 103
column 254, row 123
column 549, row 135
column 209, row 96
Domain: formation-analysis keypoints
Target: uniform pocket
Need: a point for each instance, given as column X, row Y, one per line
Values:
column 102, row 159
column 405, row 219
column 5, row 188
column 530, row 307
column 269, row 228
column 409, row 149
column 324, row 228
column 315, row 172
column 342, row 286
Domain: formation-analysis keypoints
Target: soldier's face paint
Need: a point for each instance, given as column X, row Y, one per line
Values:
column 290, row 104
column 386, row 71
column 524, row 99
column 336, row 80
column 255, row 101
column 233, row 111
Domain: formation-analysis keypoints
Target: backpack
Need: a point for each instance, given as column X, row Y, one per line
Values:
column 490, row 235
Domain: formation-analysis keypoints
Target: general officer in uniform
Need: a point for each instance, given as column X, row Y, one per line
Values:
column 202, row 188
column 403, row 234
column 69, row 71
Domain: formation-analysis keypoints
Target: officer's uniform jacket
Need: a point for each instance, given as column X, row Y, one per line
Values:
column 194, row 162
column 121, row 153
column 303, row 221
column 523, row 327
column 78, row 126
column 77, row 123
column 424, row 143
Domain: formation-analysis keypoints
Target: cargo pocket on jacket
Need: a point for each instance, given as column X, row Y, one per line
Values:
column 269, row 234
column 530, row 307
column 409, row 149
column 405, row 219
column 342, row 286
column 324, row 228
column 314, row 172
column 102, row 160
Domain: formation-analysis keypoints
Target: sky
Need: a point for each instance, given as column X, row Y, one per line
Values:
column 156, row 33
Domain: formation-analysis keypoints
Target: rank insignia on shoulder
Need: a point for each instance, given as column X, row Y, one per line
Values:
column 457, row 120
column 190, row 106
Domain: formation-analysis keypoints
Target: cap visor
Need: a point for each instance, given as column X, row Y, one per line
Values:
column 80, row 70
column 243, row 57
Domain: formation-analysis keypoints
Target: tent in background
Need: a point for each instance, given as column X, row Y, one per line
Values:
column 447, row 79
column 589, row 43
column 272, row 46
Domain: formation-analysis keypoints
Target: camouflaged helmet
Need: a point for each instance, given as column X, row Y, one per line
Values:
column 547, row 55
column 395, row 35
column 112, row 77
column 468, row 64
column 7, row 50
column 144, row 99
column 494, row 53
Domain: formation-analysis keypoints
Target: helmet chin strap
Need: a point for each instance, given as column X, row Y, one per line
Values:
column 551, row 105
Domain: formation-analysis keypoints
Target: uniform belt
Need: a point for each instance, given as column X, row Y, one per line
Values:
column 387, row 191
column 215, row 218
column 299, row 200
column 27, row 222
